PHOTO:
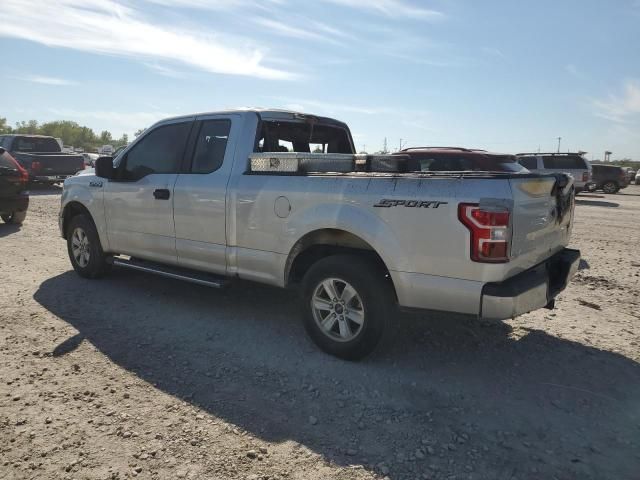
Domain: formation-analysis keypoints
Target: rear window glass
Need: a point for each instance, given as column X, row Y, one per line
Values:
column 303, row 137
column 35, row 144
column 432, row 162
column 529, row 162
column 569, row 162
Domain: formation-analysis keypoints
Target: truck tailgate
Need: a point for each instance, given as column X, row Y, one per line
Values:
column 51, row 164
column 543, row 217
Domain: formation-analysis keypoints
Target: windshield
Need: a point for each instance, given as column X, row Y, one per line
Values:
column 36, row 144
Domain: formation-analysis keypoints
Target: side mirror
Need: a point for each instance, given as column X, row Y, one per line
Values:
column 104, row 167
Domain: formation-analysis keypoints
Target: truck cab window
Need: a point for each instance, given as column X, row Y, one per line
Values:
column 159, row 151
column 211, row 145
column 303, row 137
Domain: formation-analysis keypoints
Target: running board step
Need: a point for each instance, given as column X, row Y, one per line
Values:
column 192, row 276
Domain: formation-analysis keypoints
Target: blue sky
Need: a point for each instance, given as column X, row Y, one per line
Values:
column 497, row 74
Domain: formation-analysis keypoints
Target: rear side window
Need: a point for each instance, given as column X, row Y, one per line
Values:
column 160, row 151
column 211, row 145
column 530, row 163
column 569, row 162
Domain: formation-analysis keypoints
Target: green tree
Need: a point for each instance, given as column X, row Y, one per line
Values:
column 105, row 137
column 139, row 132
column 4, row 126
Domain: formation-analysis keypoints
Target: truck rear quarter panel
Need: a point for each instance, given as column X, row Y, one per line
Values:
column 411, row 237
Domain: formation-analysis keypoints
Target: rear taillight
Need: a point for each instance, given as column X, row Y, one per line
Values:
column 24, row 175
column 35, row 166
column 489, row 232
column 585, row 176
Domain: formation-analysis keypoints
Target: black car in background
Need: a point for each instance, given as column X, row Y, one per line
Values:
column 42, row 157
column 609, row 178
column 14, row 197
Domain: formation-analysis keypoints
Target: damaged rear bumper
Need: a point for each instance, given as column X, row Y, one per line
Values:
column 530, row 290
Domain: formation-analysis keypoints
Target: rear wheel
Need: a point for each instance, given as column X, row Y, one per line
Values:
column 83, row 246
column 347, row 303
column 610, row 187
column 15, row 218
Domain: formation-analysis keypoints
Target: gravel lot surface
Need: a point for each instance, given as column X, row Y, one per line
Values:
column 140, row 376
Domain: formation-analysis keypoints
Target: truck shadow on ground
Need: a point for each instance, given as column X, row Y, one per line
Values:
column 7, row 229
column 596, row 203
column 39, row 189
column 449, row 395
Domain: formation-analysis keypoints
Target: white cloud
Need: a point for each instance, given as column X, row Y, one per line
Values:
column 113, row 28
column 59, row 82
column 620, row 108
column 288, row 30
column 391, row 8
column 164, row 70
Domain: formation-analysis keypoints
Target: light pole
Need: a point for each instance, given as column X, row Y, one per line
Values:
column 559, row 140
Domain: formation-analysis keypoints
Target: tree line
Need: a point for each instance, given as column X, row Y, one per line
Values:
column 71, row 133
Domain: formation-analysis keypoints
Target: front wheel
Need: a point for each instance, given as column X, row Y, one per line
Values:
column 610, row 187
column 83, row 246
column 16, row 218
column 347, row 303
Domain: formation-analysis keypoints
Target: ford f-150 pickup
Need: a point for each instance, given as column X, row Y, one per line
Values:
column 42, row 157
column 209, row 197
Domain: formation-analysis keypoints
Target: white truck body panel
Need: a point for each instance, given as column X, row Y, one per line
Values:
column 235, row 223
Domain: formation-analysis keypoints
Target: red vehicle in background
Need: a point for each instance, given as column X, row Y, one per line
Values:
column 14, row 197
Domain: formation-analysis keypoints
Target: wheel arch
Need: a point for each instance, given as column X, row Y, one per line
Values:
column 325, row 242
column 73, row 209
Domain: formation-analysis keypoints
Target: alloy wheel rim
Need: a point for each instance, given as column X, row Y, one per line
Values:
column 609, row 187
column 80, row 247
column 338, row 309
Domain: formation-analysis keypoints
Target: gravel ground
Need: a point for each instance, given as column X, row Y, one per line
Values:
column 141, row 376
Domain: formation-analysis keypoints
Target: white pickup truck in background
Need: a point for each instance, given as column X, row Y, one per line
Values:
column 213, row 196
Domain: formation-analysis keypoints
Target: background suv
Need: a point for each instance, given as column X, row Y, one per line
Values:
column 572, row 163
column 609, row 178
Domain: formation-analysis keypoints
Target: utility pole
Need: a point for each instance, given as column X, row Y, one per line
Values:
column 400, row 145
column 559, row 140
column 384, row 150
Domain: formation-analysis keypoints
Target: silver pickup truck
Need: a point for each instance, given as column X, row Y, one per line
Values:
column 214, row 196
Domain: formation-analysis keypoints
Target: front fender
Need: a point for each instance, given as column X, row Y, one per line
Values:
column 88, row 192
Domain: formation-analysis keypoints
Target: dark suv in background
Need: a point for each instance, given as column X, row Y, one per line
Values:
column 14, row 198
column 609, row 178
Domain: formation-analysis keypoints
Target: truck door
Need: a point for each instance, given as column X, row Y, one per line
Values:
column 200, row 192
column 139, row 203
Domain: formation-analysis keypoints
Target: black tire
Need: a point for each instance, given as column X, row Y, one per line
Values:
column 96, row 265
column 610, row 187
column 16, row 218
column 374, row 295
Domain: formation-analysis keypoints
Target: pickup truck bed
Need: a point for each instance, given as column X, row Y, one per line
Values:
column 355, row 243
column 49, row 166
